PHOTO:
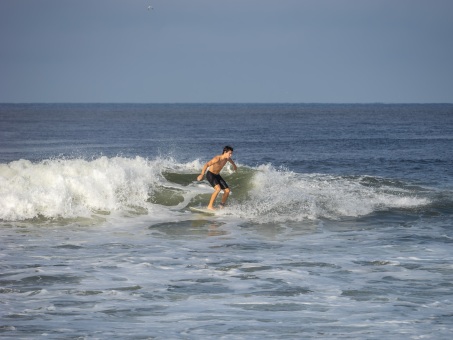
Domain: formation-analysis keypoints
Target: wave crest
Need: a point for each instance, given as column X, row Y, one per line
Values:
column 75, row 188
column 279, row 195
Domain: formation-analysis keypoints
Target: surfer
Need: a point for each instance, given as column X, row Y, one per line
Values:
column 213, row 175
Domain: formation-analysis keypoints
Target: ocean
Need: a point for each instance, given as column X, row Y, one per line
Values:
column 339, row 224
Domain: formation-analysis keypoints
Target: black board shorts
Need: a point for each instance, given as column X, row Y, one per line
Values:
column 214, row 180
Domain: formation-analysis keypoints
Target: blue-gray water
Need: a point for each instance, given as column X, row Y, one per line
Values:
column 339, row 224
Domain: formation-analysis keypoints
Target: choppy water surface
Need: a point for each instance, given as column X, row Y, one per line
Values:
column 339, row 224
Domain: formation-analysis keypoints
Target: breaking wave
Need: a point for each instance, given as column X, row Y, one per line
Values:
column 74, row 188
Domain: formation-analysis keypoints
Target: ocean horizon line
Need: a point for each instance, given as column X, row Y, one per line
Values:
column 224, row 103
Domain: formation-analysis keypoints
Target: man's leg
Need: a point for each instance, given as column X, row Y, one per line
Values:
column 213, row 197
column 226, row 193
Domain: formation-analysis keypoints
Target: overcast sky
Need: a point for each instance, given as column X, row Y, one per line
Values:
column 185, row 51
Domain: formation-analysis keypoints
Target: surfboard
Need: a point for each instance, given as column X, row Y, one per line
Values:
column 202, row 210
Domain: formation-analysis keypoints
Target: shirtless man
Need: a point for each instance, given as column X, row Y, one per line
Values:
column 213, row 175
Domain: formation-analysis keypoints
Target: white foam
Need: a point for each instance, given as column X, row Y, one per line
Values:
column 281, row 195
column 75, row 187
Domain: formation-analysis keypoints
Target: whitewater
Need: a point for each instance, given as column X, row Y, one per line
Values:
column 74, row 188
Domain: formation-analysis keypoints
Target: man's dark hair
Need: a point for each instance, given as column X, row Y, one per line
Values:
column 227, row 148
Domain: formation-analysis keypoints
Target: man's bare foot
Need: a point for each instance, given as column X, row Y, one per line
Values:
column 211, row 208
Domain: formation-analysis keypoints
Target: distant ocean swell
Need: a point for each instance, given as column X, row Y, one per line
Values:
column 79, row 188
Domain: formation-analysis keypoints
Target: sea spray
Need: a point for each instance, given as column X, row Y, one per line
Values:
column 72, row 188
column 279, row 195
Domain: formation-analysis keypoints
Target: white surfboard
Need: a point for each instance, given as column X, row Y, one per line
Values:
column 202, row 210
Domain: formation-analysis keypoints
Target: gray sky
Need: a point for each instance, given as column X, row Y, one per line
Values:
column 305, row 51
